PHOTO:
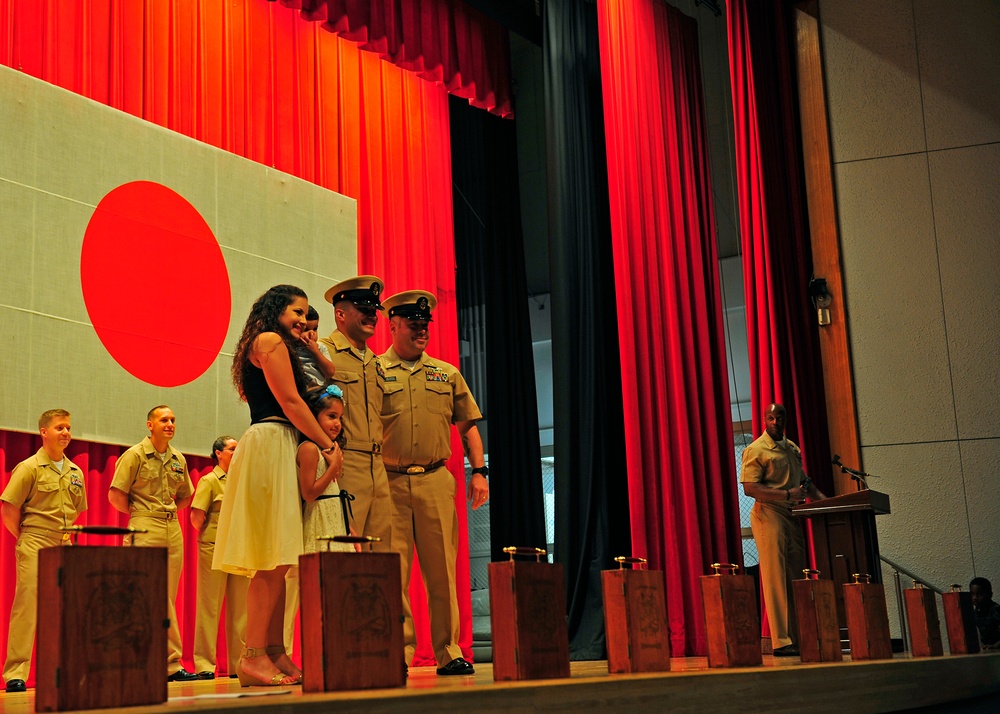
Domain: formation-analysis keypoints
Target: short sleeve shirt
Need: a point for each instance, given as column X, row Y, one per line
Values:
column 309, row 365
column 418, row 408
column 361, row 380
column 47, row 496
column 208, row 498
column 773, row 465
column 152, row 483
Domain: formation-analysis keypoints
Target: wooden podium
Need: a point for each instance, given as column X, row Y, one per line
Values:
column 352, row 620
column 102, row 627
column 635, row 619
column 845, row 539
column 528, row 618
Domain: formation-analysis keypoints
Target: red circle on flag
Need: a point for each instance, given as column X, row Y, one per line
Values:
column 155, row 284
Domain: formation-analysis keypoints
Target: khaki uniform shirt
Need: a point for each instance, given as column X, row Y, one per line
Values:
column 208, row 498
column 48, row 498
column 152, row 484
column 362, row 382
column 419, row 408
column 773, row 465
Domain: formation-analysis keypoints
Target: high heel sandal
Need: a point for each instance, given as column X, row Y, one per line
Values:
column 273, row 650
column 249, row 680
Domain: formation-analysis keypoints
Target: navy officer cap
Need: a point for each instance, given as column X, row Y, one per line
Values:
column 412, row 305
column 363, row 291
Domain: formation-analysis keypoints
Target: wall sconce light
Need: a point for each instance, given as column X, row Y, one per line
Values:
column 821, row 299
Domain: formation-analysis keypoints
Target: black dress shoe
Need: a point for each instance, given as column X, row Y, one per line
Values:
column 182, row 675
column 16, row 685
column 457, row 666
column 787, row 651
column 206, row 675
column 233, row 676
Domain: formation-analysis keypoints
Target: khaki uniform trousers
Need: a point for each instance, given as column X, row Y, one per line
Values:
column 164, row 533
column 24, row 609
column 423, row 515
column 782, row 550
column 213, row 586
column 364, row 478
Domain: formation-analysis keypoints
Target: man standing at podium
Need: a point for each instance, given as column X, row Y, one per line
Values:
column 772, row 475
column 423, row 398
column 45, row 493
column 151, row 484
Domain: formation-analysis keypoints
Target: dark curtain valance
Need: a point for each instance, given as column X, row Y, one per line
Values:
column 443, row 41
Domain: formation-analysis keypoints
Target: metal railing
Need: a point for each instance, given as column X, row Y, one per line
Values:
column 900, row 605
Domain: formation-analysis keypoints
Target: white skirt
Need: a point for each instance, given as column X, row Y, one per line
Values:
column 260, row 526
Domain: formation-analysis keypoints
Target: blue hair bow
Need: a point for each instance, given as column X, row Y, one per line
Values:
column 333, row 390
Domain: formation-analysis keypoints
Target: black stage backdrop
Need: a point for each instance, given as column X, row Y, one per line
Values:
column 592, row 521
column 492, row 290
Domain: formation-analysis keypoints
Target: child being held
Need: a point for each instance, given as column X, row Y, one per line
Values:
column 319, row 471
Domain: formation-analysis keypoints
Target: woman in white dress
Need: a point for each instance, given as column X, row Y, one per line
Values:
column 260, row 526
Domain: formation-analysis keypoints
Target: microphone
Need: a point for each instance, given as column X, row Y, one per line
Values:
column 836, row 460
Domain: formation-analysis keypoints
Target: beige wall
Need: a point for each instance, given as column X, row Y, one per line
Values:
column 914, row 99
column 59, row 155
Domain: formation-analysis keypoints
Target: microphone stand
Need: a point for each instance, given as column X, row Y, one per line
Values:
column 859, row 476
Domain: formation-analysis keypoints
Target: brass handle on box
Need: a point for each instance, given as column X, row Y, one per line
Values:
column 810, row 574
column 731, row 567
column 370, row 540
column 858, row 577
column 623, row 559
column 75, row 531
column 956, row 588
column 513, row 550
column 917, row 585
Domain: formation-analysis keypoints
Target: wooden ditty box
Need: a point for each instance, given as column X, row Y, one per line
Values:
column 635, row 619
column 730, row 603
column 528, row 618
column 867, row 619
column 960, row 622
column 816, row 613
column 102, row 627
column 922, row 617
column 352, row 621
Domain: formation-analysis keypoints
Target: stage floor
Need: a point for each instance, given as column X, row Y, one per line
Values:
column 779, row 685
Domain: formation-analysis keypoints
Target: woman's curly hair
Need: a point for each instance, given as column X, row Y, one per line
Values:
column 264, row 318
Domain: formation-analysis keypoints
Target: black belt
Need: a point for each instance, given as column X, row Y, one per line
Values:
column 416, row 468
column 348, row 509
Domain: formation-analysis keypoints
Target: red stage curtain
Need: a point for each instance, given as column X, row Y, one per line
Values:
column 785, row 363
column 252, row 78
column 443, row 41
column 678, row 428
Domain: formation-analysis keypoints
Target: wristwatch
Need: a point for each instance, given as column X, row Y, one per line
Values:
column 484, row 470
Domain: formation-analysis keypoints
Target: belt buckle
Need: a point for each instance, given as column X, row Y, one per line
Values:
column 65, row 537
column 171, row 515
column 415, row 470
column 376, row 448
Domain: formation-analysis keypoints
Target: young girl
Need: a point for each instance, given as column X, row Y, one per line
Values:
column 318, row 474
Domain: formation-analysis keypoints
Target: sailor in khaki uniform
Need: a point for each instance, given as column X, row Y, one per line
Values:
column 151, row 483
column 772, row 475
column 214, row 585
column 423, row 398
column 45, row 493
column 359, row 374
